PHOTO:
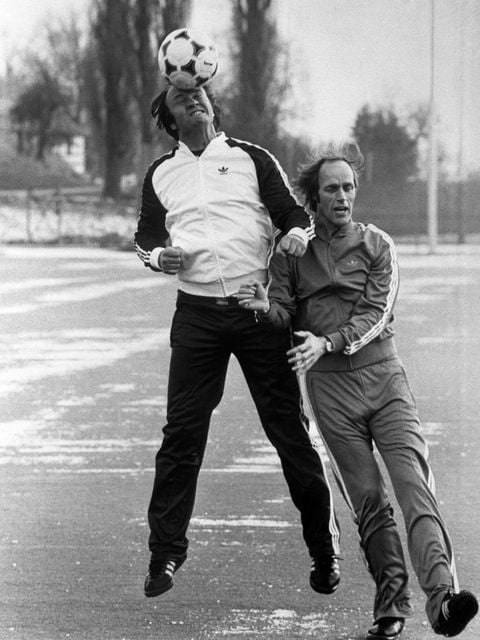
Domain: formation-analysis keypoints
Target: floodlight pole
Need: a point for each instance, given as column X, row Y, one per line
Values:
column 432, row 147
column 460, row 168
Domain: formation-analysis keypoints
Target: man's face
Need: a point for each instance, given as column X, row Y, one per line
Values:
column 191, row 108
column 336, row 192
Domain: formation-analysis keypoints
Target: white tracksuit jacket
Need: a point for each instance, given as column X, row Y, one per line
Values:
column 222, row 208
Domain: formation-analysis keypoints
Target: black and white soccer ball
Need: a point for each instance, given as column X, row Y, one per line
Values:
column 187, row 59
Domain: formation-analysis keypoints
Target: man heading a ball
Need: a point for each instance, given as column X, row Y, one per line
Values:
column 210, row 211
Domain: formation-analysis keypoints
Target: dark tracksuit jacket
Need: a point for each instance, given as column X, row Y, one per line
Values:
column 344, row 288
column 223, row 208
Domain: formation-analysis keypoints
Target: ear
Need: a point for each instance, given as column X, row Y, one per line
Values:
column 173, row 125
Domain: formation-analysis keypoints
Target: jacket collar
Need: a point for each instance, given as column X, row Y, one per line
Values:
column 340, row 232
column 220, row 137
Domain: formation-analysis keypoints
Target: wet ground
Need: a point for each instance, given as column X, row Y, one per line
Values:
column 84, row 349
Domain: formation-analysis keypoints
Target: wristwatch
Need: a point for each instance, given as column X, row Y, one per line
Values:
column 329, row 345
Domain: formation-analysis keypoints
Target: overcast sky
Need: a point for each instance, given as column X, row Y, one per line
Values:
column 345, row 53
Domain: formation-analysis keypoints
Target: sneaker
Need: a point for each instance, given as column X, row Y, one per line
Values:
column 324, row 574
column 386, row 629
column 456, row 612
column 160, row 575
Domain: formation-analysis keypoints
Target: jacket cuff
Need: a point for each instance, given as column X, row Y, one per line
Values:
column 337, row 340
column 155, row 258
column 300, row 233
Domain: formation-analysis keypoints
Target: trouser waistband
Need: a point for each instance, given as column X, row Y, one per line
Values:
column 206, row 301
column 372, row 352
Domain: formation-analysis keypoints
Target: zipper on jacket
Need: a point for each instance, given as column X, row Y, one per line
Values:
column 331, row 269
column 208, row 224
column 330, row 261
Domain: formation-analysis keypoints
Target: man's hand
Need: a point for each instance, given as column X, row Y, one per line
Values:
column 172, row 259
column 252, row 296
column 303, row 356
column 291, row 245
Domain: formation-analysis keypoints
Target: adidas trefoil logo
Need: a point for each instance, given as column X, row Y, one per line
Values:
column 223, row 170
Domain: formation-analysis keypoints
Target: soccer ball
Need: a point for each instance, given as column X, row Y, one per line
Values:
column 187, row 59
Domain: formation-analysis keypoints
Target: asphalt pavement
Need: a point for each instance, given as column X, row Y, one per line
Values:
column 84, row 349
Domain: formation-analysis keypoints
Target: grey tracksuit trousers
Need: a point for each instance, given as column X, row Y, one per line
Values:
column 373, row 404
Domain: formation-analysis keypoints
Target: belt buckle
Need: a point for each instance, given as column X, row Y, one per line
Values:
column 223, row 302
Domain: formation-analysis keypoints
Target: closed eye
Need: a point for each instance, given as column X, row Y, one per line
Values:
column 346, row 187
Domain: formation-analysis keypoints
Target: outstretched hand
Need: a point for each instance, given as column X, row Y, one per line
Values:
column 304, row 355
column 252, row 296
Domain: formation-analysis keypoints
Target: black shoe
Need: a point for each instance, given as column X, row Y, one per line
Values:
column 324, row 574
column 456, row 612
column 160, row 575
column 386, row 629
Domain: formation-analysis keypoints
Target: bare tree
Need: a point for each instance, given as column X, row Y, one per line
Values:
column 417, row 120
column 127, row 34
column 152, row 20
column 390, row 150
column 33, row 113
column 93, row 92
column 114, row 48
column 64, row 53
column 49, row 107
column 258, row 89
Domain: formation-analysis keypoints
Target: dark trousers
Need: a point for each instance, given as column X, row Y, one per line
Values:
column 203, row 336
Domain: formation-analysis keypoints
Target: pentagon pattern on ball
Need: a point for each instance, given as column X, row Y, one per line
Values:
column 187, row 59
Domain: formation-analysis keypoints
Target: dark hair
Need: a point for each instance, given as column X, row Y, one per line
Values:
column 164, row 118
column 308, row 180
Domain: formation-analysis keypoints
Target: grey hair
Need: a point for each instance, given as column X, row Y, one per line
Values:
column 307, row 182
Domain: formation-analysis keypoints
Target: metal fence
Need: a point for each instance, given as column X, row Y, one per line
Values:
column 65, row 217
column 402, row 211
column 72, row 216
